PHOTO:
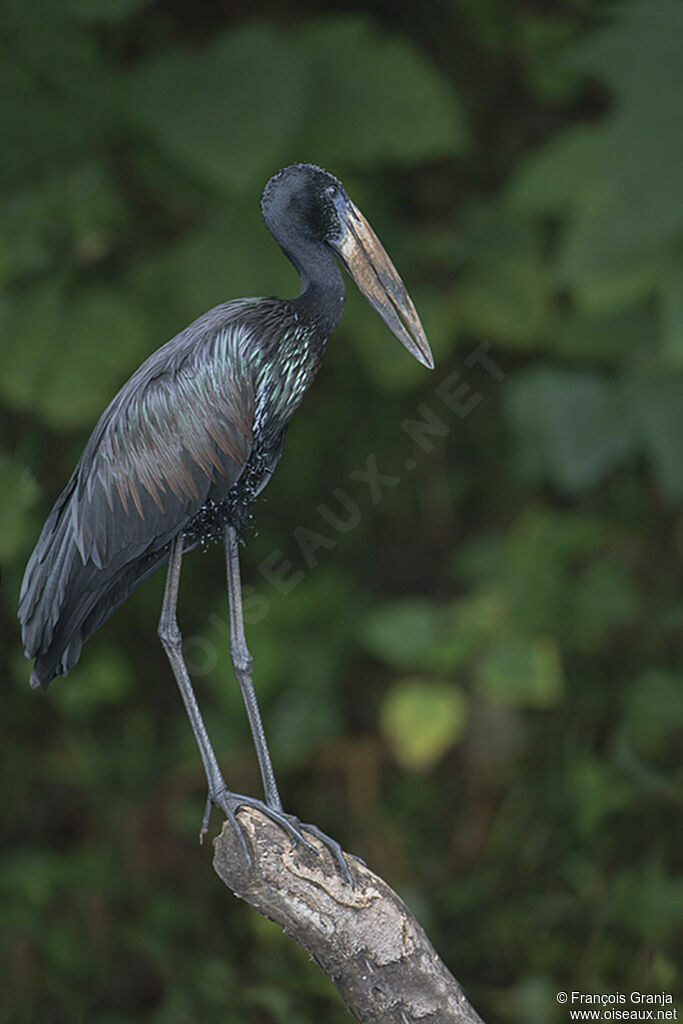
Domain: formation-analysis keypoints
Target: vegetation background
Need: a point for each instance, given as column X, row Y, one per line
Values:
column 474, row 679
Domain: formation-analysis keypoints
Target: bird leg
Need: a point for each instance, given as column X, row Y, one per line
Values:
column 243, row 663
column 219, row 794
column 172, row 642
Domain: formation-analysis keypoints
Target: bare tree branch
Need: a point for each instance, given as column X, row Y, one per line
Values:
column 364, row 938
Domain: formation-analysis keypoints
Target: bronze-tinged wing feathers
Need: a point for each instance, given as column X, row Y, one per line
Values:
column 166, row 438
column 180, row 428
column 177, row 436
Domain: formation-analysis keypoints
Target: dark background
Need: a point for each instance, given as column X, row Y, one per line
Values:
column 477, row 687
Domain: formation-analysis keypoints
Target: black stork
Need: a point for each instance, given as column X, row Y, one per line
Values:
column 190, row 441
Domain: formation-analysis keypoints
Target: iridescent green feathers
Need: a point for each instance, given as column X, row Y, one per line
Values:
column 179, row 426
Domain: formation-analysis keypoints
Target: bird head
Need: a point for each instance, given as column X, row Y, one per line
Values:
column 318, row 204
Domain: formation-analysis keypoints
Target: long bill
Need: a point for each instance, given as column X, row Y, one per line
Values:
column 369, row 265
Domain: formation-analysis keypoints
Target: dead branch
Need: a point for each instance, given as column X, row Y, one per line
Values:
column 364, row 938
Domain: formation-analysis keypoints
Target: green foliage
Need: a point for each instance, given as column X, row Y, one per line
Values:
column 15, row 529
column 619, row 180
column 103, row 11
column 367, row 92
column 337, row 90
column 654, row 712
column 67, row 356
column 573, row 428
column 576, row 427
column 522, row 672
column 403, row 633
column 422, row 719
column 229, row 116
column 478, row 689
column 108, row 683
column 505, row 292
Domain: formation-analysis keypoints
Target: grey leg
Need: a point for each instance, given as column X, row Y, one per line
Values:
column 243, row 662
column 219, row 794
column 172, row 642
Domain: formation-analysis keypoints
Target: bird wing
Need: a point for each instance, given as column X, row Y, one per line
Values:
column 178, row 432
column 181, row 425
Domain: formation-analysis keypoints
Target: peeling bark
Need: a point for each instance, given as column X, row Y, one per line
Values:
column 363, row 937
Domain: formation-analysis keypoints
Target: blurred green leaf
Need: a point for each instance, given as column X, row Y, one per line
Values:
column 548, row 75
column 68, row 357
column 649, row 902
column 105, row 11
column 20, row 493
column 368, row 94
column 106, row 682
column 335, row 91
column 597, row 790
column 227, row 111
column 654, row 710
column 533, row 1000
column 564, row 175
column 232, row 255
column 655, row 405
column 72, row 216
column 542, row 551
column 47, row 113
column 672, row 315
column 522, row 672
column 611, row 337
column 302, row 722
column 401, row 633
column 604, row 597
column 620, row 179
column 468, row 626
column 574, row 427
column 422, row 720
column 504, row 289
column 39, row 873
column 508, row 301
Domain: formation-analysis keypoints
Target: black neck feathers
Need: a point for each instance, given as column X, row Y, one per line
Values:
column 301, row 220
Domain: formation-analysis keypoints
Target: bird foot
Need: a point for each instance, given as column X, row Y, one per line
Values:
column 230, row 803
column 333, row 846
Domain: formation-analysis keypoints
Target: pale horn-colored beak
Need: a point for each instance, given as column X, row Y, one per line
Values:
column 369, row 265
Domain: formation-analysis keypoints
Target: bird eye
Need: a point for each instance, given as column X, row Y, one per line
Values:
column 332, row 191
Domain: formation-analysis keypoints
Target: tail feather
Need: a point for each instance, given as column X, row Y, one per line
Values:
column 78, row 620
column 35, row 682
column 65, row 599
column 47, row 563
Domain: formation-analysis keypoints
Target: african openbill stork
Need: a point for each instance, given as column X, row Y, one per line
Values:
column 190, row 441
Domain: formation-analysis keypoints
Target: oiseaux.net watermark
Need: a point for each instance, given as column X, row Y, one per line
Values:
column 615, row 1006
column 453, row 398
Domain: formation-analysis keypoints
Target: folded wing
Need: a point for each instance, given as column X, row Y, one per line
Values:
column 177, row 435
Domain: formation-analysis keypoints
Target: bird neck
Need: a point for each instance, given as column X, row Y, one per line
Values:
column 322, row 297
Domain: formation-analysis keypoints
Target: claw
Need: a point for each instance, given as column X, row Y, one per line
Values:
column 206, row 819
column 231, row 802
column 335, row 849
column 232, row 818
